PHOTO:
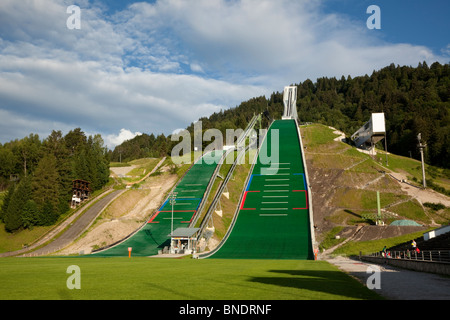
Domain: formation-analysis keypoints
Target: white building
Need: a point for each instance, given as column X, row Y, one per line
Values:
column 371, row 132
column 290, row 103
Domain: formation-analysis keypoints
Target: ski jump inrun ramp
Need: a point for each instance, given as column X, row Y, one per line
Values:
column 154, row 235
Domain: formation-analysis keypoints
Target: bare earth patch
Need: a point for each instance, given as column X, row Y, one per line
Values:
column 422, row 195
column 124, row 215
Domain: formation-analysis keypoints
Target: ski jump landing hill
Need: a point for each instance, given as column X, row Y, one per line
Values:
column 274, row 220
column 154, row 235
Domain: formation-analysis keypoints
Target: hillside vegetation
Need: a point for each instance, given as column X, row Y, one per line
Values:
column 345, row 183
column 38, row 176
column 414, row 100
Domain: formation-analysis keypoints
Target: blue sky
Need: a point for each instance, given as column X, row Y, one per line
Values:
column 403, row 21
column 157, row 66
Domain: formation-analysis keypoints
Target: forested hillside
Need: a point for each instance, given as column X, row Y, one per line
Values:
column 414, row 100
column 38, row 175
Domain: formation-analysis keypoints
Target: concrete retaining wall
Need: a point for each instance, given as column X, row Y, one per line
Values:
column 423, row 266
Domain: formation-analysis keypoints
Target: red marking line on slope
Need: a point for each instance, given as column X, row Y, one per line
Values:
column 306, row 197
column 243, row 201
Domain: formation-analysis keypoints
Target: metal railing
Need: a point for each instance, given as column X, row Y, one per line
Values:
column 230, row 228
column 424, row 255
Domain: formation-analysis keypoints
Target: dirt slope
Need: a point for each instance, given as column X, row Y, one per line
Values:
column 337, row 170
column 125, row 214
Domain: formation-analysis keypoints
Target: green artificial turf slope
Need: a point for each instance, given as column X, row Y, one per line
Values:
column 273, row 220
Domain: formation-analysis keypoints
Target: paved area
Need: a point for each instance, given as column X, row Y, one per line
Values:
column 396, row 283
column 77, row 227
column 71, row 227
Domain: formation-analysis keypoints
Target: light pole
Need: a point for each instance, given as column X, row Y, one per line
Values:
column 173, row 196
column 421, row 147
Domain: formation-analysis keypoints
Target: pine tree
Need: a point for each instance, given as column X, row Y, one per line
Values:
column 45, row 182
column 6, row 201
column 30, row 214
column 101, row 162
column 80, row 165
column 75, row 140
column 55, row 144
column 48, row 214
column 7, row 164
column 12, row 217
column 29, row 149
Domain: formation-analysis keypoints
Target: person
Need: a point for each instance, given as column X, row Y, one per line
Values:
column 414, row 244
column 384, row 251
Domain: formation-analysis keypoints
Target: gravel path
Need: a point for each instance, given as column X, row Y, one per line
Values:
column 77, row 227
column 396, row 283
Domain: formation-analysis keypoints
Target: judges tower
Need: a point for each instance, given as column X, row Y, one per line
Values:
column 290, row 103
column 371, row 132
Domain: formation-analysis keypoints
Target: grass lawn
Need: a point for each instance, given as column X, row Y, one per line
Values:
column 177, row 279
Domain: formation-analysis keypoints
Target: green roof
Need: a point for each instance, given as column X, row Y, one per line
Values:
column 405, row 223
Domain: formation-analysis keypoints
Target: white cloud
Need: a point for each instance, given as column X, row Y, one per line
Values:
column 446, row 50
column 84, row 94
column 195, row 67
column 158, row 66
column 273, row 42
column 112, row 140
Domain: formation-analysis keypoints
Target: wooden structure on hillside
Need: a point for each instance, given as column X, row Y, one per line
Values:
column 81, row 191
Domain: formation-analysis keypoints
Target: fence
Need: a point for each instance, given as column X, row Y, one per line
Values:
column 424, row 255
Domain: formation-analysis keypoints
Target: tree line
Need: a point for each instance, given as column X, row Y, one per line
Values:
column 149, row 145
column 38, row 175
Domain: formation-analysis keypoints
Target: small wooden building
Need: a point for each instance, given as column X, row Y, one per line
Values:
column 81, row 191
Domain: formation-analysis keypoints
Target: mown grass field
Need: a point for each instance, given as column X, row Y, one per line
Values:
column 177, row 279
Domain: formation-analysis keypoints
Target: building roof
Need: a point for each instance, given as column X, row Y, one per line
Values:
column 81, row 180
column 184, row 232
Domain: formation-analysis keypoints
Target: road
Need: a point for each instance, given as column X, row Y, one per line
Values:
column 396, row 283
column 74, row 229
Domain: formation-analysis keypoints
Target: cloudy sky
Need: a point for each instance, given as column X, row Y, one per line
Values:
column 156, row 66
